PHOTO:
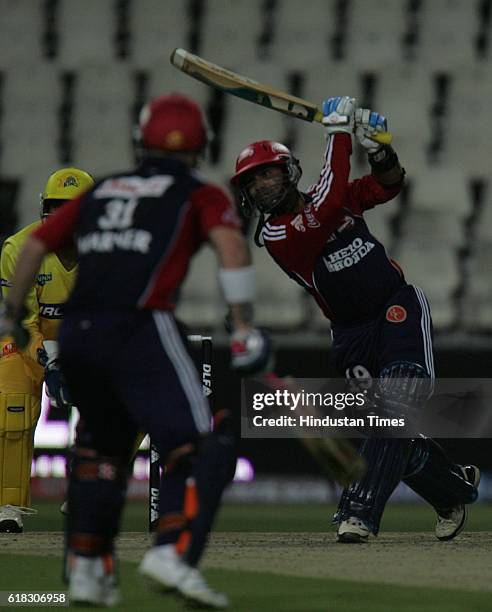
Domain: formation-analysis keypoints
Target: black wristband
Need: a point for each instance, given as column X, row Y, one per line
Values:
column 383, row 160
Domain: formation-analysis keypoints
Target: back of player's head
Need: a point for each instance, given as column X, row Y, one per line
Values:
column 63, row 185
column 172, row 123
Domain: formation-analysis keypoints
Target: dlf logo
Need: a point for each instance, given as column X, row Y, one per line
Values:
column 207, row 379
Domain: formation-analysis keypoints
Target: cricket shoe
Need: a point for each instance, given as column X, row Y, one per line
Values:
column 11, row 518
column 92, row 581
column 352, row 531
column 451, row 522
column 165, row 567
column 195, row 589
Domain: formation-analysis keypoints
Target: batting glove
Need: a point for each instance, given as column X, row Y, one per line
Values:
column 56, row 385
column 367, row 124
column 250, row 351
column 338, row 115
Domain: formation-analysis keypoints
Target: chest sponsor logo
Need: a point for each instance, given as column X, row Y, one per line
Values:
column 298, row 224
column 5, row 283
column 348, row 256
column 396, row 314
column 51, row 311
column 42, row 279
column 134, row 186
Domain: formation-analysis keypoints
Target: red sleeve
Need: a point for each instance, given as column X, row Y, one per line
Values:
column 366, row 193
column 306, row 232
column 57, row 232
column 214, row 209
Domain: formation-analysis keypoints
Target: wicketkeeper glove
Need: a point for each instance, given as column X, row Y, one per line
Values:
column 10, row 326
column 250, row 351
column 338, row 115
column 56, row 385
column 367, row 124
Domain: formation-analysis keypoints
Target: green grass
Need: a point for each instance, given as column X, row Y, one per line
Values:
column 256, row 592
column 275, row 517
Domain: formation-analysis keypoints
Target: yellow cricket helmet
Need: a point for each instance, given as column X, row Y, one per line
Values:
column 64, row 184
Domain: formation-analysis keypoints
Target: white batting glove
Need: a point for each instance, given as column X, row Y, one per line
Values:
column 338, row 115
column 367, row 124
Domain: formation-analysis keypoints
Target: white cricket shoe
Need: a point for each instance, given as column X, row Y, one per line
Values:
column 165, row 567
column 11, row 518
column 90, row 581
column 352, row 531
column 449, row 524
column 64, row 508
column 194, row 587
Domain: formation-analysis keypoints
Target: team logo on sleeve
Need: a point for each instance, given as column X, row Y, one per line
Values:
column 298, row 224
column 396, row 314
column 311, row 219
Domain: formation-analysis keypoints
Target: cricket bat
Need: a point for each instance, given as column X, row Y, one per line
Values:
column 337, row 457
column 250, row 90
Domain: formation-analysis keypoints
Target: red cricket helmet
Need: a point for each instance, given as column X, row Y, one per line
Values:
column 172, row 122
column 260, row 154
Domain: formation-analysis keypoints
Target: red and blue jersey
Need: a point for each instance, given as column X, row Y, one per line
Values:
column 328, row 248
column 135, row 234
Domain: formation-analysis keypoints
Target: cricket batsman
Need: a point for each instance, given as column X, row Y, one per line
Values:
column 381, row 324
column 22, row 372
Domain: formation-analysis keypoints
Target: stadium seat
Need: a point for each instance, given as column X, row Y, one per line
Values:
column 231, row 34
column 375, row 33
column 102, row 118
column 433, row 267
column 378, row 221
column 86, row 32
column 200, row 304
column 156, row 29
column 28, row 198
column 30, row 131
column 442, row 189
column 164, row 78
column 446, row 37
column 301, row 36
column 467, row 143
column 20, row 32
column 404, row 96
column 476, row 304
column 279, row 303
column 263, row 124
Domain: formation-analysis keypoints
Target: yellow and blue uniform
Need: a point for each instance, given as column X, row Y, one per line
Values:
column 21, row 375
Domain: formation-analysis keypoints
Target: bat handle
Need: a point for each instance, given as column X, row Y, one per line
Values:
column 382, row 137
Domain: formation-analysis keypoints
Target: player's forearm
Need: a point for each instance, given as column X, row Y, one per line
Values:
column 28, row 264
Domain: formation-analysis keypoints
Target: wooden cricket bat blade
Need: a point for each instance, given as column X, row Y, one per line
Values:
column 251, row 90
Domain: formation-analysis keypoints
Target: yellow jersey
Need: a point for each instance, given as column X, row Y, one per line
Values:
column 45, row 300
